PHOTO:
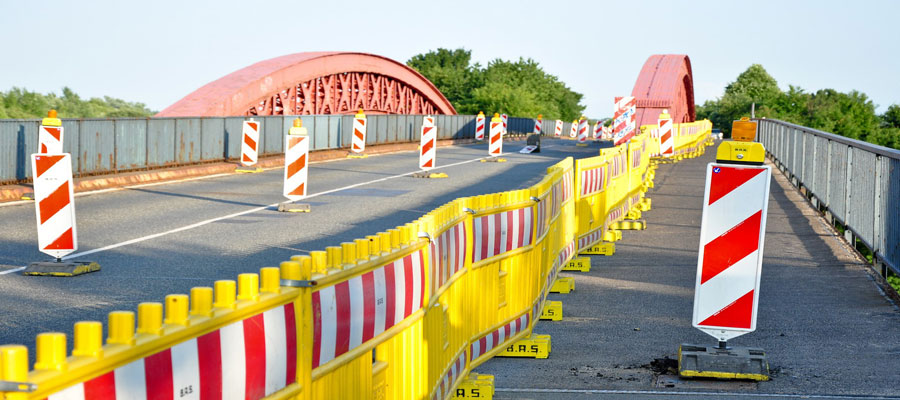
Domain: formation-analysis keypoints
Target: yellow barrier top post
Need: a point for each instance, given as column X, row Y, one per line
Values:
column 742, row 149
column 51, row 119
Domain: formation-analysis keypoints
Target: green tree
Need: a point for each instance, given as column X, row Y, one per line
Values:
column 753, row 86
column 22, row 104
column 891, row 117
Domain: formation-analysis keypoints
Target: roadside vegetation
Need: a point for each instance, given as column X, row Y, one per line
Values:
column 520, row 88
column 18, row 103
column 849, row 114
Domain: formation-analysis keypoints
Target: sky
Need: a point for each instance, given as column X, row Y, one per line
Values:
column 157, row 52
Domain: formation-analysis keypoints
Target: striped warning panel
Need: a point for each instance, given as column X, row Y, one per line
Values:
column 358, row 141
column 479, row 127
column 296, row 173
column 567, row 186
column 50, row 139
column 615, row 214
column 450, row 377
column 250, row 143
column 248, row 359
column 350, row 313
column 537, row 127
column 496, row 338
column 498, row 233
column 543, row 218
column 448, row 252
column 593, row 180
column 565, row 255
column 636, row 157
column 589, row 239
column 618, row 165
column 557, row 131
column 54, row 205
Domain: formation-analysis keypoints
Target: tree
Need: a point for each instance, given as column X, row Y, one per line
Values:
column 891, row 117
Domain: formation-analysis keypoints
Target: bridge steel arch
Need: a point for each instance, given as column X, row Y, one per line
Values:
column 315, row 83
column 665, row 82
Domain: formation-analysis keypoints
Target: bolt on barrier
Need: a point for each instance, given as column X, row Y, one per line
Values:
column 405, row 313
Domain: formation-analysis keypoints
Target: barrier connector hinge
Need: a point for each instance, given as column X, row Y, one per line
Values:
column 469, row 210
column 535, row 199
column 298, row 283
column 18, row 387
column 426, row 235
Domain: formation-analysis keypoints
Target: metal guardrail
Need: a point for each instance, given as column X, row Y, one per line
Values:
column 857, row 183
column 101, row 146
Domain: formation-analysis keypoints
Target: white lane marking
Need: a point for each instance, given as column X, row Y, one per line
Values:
column 245, row 212
column 693, row 394
column 9, row 271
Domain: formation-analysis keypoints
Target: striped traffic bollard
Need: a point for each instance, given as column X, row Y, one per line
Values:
column 537, row 125
column 55, row 210
column 598, row 130
column 249, row 147
column 479, row 126
column 358, row 140
column 666, row 138
column 428, row 150
column 296, row 168
column 505, row 121
column 573, row 130
column 557, row 131
column 50, row 135
column 582, row 131
column 495, row 141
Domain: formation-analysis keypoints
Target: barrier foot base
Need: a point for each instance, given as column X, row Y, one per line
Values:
column 633, row 214
column 645, row 204
column 27, row 196
column 612, row 234
column 601, row 249
column 243, row 169
column 531, row 346
column 294, row 207
column 722, row 363
column 357, row 155
column 61, row 268
column 635, row 225
column 582, row 264
column 581, row 144
column 494, row 159
column 552, row 311
column 563, row 285
column 429, row 175
column 475, row 386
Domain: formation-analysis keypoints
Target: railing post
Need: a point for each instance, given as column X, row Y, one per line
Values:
column 847, row 196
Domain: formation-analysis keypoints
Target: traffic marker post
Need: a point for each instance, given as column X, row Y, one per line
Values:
column 479, row 126
column 249, row 147
column 573, row 131
column 296, row 168
column 428, row 150
column 666, row 137
column 50, row 135
column 537, row 125
column 558, row 130
column 732, row 235
column 55, row 211
column 598, row 130
column 358, row 141
column 505, row 122
column 495, row 145
column 582, row 132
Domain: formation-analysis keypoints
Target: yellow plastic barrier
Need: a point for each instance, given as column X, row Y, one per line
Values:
column 691, row 139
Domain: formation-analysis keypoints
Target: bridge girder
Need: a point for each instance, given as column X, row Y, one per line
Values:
column 665, row 82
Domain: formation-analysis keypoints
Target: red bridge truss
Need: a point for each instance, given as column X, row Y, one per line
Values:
column 316, row 83
column 665, row 82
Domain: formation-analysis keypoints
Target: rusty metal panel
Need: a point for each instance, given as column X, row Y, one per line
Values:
column 212, row 135
column 467, row 128
column 160, row 142
column 97, row 143
column 71, row 127
column 187, row 140
column 232, row 137
column 394, row 124
column 131, row 144
column 381, row 123
column 18, row 140
column 320, row 134
column 334, row 131
column 346, row 130
column 444, row 126
column 272, row 136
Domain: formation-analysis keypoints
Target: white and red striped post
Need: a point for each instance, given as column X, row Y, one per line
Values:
column 54, row 204
column 250, row 143
column 296, row 168
column 50, row 135
column 495, row 147
column 558, row 130
column 358, row 141
column 624, row 119
column 583, row 131
column 505, row 121
column 666, row 137
column 598, row 130
column 537, row 125
column 428, row 144
column 732, row 233
column 573, row 131
column 479, row 126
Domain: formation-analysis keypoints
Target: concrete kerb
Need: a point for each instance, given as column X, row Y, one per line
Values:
column 14, row 192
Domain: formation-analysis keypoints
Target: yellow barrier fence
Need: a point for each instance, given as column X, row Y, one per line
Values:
column 691, row 139
column 401, row 314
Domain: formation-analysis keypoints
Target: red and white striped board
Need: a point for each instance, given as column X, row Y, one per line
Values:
column 496, row 338
column 666, row 138
column 448, row 255
column 479, row 126
column 542, row 223
column 358, row 141
column 250, row 143
column 589, row 239
column 559, row 127
column 505, row 119
column 50, row 139
column 495, row 145
column 296, row 166
column 427, row 151
column 498, row 233
column 354, row 311
column 598, row 130
column 573, row 130
column 248, row 359
column 624, row 119
column 732, row 234
column 582, row 130
column 592, row 181
column 54, row 204
column 537, row 126
column 450, row 377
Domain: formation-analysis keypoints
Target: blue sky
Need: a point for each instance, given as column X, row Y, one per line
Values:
column 159, row 51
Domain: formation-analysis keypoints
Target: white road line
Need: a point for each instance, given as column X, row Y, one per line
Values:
column 9, row 271
column 694, row 394
column 238, row 214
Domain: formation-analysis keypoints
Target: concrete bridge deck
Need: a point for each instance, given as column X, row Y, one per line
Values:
column 824, row 321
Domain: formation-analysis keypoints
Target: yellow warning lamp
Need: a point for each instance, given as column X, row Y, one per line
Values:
column 540, row 116
column 665, row 114
column 583, row 117
column 496, row 117
column 298, row 128
column 742, row 149
column 481, row 113
column 360, row 114
column 51, row 119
